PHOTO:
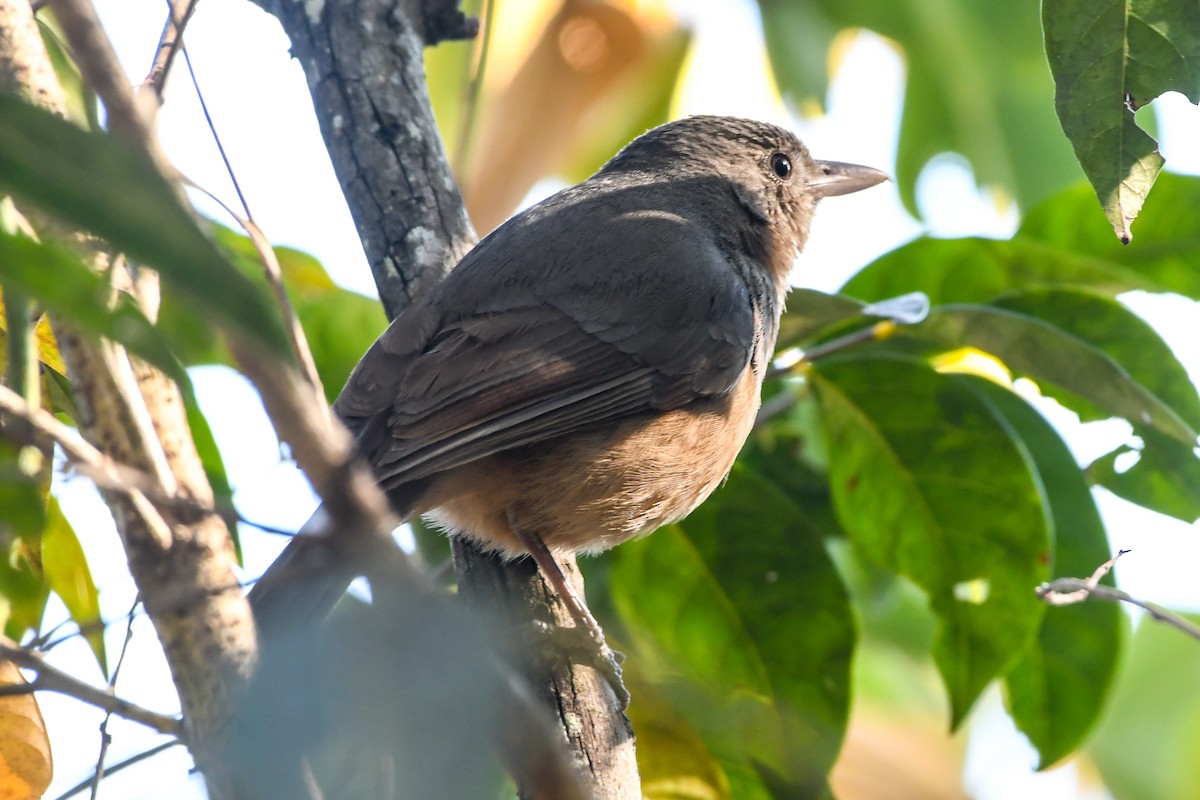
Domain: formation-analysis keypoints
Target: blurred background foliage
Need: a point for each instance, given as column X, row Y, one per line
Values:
column 867, row 572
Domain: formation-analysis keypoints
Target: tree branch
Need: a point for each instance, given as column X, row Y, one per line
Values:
column 1068, row 591
column 169, row 44
column 184, row 568
column 50, row 678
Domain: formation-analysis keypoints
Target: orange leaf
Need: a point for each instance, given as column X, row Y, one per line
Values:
column 26, row 766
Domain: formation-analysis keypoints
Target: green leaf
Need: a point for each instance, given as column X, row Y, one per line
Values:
column 1168, row 246
column 1061, row 241
column 810, row 312
column 789, row 451
column 1111, row 328
column 65, row 285
column 1109, row 59
column 974, row 270
column 68, row 576
column 1048, row 353
column 99, row 184
column 23, row 593
column 673, row 761
column 712, row 607
column 798, row 36
column 22, row 509
column 1166, row 477
column 929, row 481
column 339, row 324
column 80, row 99
column 956, row 98
column 1057, row 690
column 1147, row 743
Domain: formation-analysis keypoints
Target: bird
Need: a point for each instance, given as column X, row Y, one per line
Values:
column 589, row 371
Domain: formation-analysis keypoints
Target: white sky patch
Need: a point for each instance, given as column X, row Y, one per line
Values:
column 313, row 9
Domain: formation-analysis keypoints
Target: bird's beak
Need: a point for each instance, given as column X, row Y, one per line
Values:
column 835, row 177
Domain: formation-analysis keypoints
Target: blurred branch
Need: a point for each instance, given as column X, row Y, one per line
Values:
column 53, row 679
column 105, row 738
column 91, row 463
column 120, row 765
column 183, row 567
column 1068, row 591
column 274, row 274
column 169, row 44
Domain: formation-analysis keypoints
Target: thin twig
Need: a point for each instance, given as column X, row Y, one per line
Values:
column 120, row 765
column 274, row 273
column 474, row 90
column 212, row 128
column 262, row 246
column 85, row 460
column 266, row 253
column 1068, row 591
column 884, row 329
column 52, row 679
column 45, row 644
column 169, row 43
column 780, row 404
column 1059, row 598
column 105, row 738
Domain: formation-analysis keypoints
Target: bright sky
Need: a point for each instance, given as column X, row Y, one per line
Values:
column 261, row 106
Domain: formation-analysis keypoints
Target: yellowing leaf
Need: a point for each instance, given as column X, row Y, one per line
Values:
column 26, row 765
column 67, row 574
column 970, row 361
column 47, row 347
column 674, row 762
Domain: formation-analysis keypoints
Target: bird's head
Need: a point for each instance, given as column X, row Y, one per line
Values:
column 754, row 180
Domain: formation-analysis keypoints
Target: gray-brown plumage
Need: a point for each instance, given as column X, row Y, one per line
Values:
column 591, row 369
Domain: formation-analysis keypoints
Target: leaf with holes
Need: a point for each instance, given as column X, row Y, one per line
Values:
column 1109, row 59
column 930, row 481
column 1057, row 690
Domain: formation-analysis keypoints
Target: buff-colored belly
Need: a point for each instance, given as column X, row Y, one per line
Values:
column 593, row 490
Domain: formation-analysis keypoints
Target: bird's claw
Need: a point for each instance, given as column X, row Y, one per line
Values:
column 578, row 645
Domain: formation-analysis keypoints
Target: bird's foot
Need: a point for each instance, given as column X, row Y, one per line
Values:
column 580, row 645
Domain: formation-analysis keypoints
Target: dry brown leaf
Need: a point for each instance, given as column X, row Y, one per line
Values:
column 586, row 50
column 26, row 766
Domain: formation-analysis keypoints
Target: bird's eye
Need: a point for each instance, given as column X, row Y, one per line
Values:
column 782, row 165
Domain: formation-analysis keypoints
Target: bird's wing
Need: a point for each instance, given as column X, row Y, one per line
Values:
column 500, row 358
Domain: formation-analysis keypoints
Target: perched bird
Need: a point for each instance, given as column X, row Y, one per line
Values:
column 590, row 370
